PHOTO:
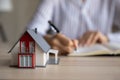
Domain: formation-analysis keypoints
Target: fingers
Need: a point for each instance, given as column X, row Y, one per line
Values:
column 100, row 38
column 64, row 40
column 86, row 40
column 63, row 49
column 91, row 38
column 75, row 43
column 103, row 39
column 96, row 38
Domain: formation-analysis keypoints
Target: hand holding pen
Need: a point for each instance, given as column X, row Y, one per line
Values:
column 61, row 42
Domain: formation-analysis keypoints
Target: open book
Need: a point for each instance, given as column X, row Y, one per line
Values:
column 97, row 49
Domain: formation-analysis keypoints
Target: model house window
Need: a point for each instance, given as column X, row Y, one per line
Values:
column 23, row 47
column 31, row 47
column 25, row 61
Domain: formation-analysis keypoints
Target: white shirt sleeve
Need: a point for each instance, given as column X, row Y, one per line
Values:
column 42, row 16
column 115, row 37
column 117, row 13
column 104, row 18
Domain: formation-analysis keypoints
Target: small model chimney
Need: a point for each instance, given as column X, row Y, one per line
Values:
column 36, row 30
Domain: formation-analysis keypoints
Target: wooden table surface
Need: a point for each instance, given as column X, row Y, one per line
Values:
column 69, row 68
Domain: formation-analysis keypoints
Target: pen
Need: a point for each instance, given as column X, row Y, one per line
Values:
column 51, row 24
column 75, row 42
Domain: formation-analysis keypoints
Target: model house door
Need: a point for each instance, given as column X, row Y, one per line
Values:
column 26, row 60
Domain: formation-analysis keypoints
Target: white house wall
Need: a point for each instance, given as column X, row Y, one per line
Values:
column 14, row 55
column 40, row 57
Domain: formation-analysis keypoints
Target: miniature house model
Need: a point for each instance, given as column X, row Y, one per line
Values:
column 31, row 50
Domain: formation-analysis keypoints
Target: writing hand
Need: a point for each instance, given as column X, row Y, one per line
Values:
column 61, row 43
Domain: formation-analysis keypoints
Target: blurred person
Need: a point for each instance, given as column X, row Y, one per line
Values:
column 81, row 22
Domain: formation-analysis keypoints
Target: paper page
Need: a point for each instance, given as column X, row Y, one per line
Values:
column 114, row 47
column 91, row 50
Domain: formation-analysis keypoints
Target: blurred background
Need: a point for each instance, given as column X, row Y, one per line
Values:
column 14, row 16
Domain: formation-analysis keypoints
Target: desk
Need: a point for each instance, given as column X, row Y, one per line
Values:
column 69, row 68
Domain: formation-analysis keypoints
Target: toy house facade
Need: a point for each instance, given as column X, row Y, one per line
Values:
column 31, row 50
column 26, row 55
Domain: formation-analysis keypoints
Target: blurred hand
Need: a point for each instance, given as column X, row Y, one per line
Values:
column 92, row 37
column 61, row 43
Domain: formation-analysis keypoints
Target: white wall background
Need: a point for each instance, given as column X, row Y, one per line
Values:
column 15, row 22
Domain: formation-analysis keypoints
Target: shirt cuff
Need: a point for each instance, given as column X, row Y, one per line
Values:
column 114, row 37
